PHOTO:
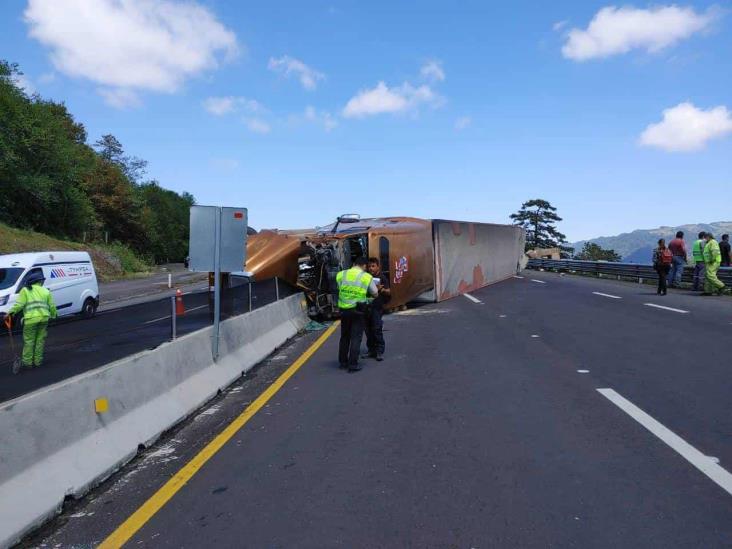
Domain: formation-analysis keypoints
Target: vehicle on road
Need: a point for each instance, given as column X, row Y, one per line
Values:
column 70, row 277
column 424, row 259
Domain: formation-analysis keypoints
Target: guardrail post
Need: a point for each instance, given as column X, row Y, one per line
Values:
column 277, row 288
column 250, row 296
column 173, row 319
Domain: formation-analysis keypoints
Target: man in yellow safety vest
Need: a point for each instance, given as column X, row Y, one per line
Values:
column 355, row 286
column 38, row 307
column 712, row 262
column 697, row 251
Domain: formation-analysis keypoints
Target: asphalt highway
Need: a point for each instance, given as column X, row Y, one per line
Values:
column 544, row 411
column 76, row 345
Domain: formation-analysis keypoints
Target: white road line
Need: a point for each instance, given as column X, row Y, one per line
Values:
column 157, row 319
column 167, row 317
column 682, row 311
column 534, row 335
column 538, row 281
column 583, row 371
column 473, row 299
column 519, row 277
column 608, row 295
column 706, row 464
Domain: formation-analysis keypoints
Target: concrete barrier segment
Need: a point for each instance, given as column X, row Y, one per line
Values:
column 55, row 444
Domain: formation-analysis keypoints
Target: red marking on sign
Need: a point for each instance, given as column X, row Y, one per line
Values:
column 238, row 215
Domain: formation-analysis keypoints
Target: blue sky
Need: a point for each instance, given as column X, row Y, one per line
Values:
column 278, row 106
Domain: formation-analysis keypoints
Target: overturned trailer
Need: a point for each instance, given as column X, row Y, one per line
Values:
column 424, row 259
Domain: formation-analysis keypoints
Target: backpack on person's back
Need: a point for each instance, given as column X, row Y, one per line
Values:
column 667, row 258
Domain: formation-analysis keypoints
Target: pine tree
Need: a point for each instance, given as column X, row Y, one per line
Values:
column 539, row 218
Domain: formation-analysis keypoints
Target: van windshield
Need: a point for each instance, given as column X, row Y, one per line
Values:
column 9, row 276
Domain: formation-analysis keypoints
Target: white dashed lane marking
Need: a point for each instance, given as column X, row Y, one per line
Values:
column 538, row 281
column 473, row 299
column 682, row 311
column 607, row 295
column 706, row 464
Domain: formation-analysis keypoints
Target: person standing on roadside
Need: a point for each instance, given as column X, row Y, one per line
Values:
column 712, row 262
column 36, row 304
column 662, row 259
column 374, row 322
column 724, row 248
column 678, row 250
column 354, row 287
column 697, row 252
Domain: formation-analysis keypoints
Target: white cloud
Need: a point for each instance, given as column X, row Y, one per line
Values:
column 47, row 77
column 288, row 66
column 462, row 123
column 24, row 83
column 616, row 30
column 224, row 164
column 382, row 99
column 120, row 98
column 129, row 46
column 559, row 25
column 257, row 125
column 324, row 118
column 433, row 71
column 685, row 128
column 219, row 106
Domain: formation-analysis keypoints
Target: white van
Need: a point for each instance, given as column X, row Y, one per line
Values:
column 69, row 276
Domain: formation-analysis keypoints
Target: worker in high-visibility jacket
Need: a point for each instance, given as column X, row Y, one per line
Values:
column 355, row 286
column 712, row 262
column 697, row 252
column 37, row 305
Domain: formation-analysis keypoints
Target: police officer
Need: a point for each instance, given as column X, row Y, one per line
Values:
column 354, row 287
column 374, row 323
column 38, row 307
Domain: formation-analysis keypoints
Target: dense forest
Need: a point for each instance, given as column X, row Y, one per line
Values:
column 52, row 181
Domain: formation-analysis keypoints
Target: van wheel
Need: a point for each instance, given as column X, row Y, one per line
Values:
column 89, row 309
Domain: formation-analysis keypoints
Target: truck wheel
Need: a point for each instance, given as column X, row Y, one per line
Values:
column 89, row 309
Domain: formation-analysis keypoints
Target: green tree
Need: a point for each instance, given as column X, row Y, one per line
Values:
column 539, row 218
column 42, row 162
column 53, row 182
column 593, row 252
column 111, row 150
column 166, row 218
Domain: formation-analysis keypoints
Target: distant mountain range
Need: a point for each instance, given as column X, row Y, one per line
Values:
column 637, row 246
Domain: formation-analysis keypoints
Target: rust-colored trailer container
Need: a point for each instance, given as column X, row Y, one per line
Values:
column 469, row 255
column 424, row 259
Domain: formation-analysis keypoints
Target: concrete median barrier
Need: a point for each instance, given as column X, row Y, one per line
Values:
column 56, row 443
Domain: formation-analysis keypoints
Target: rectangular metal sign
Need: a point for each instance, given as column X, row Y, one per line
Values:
column 233, row 239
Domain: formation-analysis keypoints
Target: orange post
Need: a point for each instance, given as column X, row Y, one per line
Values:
column 180, row 309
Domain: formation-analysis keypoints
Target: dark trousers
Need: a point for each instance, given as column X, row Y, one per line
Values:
column 375, row 331
column 349, row 347
column 662, row 271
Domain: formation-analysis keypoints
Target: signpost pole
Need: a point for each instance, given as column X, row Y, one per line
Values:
column 217, row 284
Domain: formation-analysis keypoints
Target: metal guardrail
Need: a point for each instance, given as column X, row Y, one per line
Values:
column 76, row 345
column 618, row 270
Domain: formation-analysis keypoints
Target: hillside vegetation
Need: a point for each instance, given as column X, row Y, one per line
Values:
column 110, row 261
column 54, row 182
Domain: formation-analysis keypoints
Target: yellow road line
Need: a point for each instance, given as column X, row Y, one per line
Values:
column 148, row 509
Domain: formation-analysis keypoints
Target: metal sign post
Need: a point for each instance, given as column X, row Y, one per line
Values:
column 217, row 244
column 217, row 283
